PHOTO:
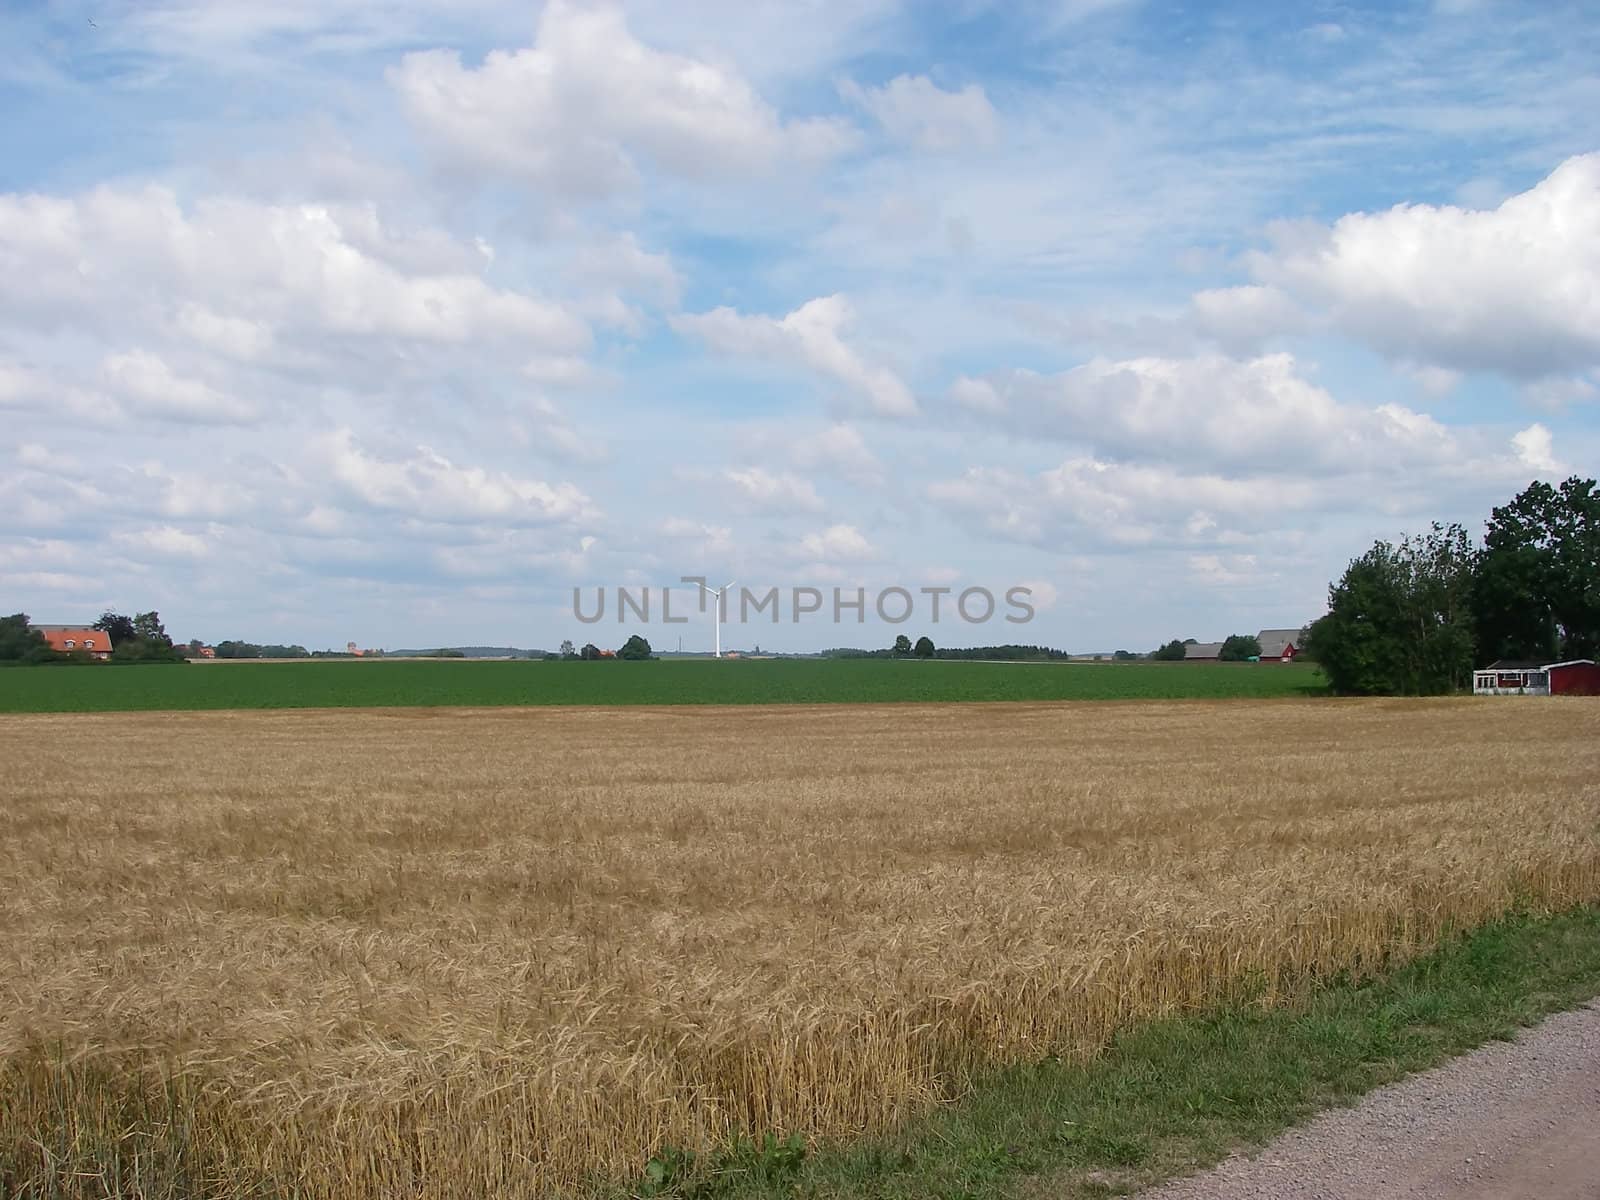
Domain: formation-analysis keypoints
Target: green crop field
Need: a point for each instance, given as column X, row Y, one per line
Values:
column 422, row 684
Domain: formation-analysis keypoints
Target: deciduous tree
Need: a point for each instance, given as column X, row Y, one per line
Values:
column 1400, row 619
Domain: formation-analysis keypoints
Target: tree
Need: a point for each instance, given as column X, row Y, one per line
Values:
column 1400, row 619
column 902, row 646
column 1536, row 593
column 1123, row 656
column 567, row 649
column 118, row 627
column 635, row 649
column 589, row 652
column 1173, row 651
column 147, row 627
column 1239, row 647
column 924, row 647
column 19, row 643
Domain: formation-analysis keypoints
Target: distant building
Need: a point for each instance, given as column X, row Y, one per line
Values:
column 75, row 639
column 1512, row 677
column 1279, row 645
column 352, row 648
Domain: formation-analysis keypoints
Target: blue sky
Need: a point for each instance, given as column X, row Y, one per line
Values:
column 396, row 321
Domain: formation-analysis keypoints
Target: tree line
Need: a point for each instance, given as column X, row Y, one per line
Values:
column 1238, row 647
column 1416, row 617
column 635, row 649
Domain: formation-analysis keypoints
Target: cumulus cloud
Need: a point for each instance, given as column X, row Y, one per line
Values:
column 705, row 538
column 151, row 388
column 1211, row 409
column 1536, row 448
column 809, row 336
column 576, row 111
column 837, row 544
column 1511, row 289
column 777, row 493
column 914, row 110
column 164, row 541
column 838, row 450
column 1086, row 503
column 236, row 272
column 430, row 487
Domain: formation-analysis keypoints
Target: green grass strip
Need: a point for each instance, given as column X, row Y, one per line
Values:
column 1180, row 1094
column 402, row 684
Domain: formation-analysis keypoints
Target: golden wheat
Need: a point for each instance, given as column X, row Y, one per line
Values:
column 508, row 952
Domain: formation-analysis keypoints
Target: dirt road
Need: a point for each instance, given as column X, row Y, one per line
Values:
column 1511, row 1120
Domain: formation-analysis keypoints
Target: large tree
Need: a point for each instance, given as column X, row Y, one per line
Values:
column 923, row 648
column 1400, row 620
column 19, row 643
column 116, row 626
column 1239, row 647
column 1537, row 588
column 147, row 627
column 1173, row 651
column 635, row 649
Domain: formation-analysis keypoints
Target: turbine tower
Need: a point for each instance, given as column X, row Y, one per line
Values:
column 716, row 614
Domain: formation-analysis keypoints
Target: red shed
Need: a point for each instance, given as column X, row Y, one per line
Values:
column 1580, row 677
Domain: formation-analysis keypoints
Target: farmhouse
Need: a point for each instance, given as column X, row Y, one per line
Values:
column 1512, row 677
column 67, row 639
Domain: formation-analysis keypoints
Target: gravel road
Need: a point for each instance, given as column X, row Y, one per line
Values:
column 1510, row 1120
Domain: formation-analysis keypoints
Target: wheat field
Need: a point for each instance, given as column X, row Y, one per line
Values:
column 459, row 953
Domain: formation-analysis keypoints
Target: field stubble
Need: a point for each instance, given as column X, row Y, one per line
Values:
column 514, row 952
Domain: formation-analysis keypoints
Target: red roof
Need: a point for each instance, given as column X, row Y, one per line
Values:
column 93, row 640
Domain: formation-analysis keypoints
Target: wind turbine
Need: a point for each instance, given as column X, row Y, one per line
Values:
column 716, row 613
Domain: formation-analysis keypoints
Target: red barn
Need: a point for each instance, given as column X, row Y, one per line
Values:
column 1279, row 645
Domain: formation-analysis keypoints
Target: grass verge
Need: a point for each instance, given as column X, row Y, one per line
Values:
column 1179, row 1094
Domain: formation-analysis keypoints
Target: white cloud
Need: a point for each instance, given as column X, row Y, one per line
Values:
column 432, row 488
column 838, row 450
column 1558, row 392
column 1209, row 410
column 1536, row 449
column 231, row 337
column 1241, row 318
column 1042, row 594
column 810, row 335
column 979, row 395
column 1223, row 570
column 151, row 388
column 1086, row 503
column 706, row 539
column 779, row 493
column 237, row 273
column 837, row 544
column 914, row 110
column 164, row 541
column 574, row 112
column 1512, row 289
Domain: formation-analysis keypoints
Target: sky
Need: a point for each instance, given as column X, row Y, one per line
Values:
column 397, row 321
